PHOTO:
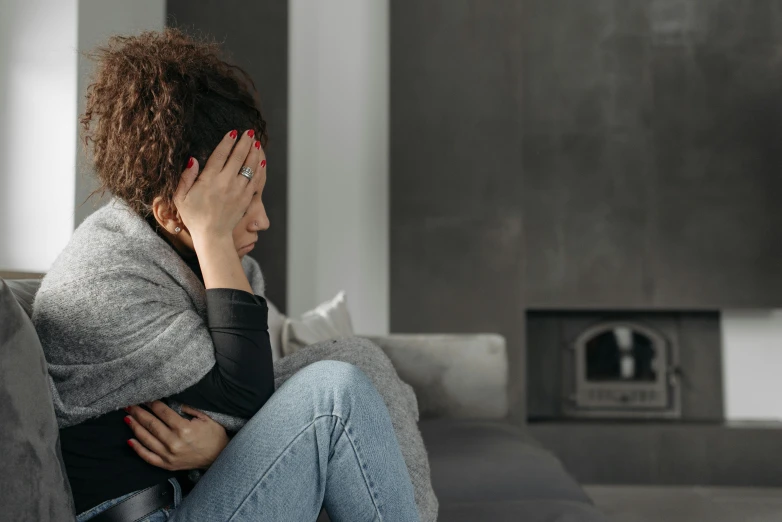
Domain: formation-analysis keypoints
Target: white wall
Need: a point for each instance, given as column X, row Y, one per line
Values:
column 42, row 83
column 338, row 150
column 37, row 131
column 98, row 20
column 752, row 363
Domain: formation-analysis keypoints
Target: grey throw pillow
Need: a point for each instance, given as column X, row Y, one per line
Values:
column 33, row 484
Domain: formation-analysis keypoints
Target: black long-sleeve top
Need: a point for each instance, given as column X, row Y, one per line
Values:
column 100, row 464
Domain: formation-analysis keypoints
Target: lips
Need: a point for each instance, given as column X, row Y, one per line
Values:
column 248, row 247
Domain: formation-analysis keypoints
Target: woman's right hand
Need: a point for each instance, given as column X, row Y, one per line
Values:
column 169, row 441
column 212, row 204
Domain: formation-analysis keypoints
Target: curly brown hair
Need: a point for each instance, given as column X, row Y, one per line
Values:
column 156, row 99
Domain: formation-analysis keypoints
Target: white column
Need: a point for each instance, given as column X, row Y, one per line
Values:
column 338, row 148
column 37, row 131
column 751, row 361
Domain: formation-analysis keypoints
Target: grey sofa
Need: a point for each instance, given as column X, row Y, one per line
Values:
column 482, row 467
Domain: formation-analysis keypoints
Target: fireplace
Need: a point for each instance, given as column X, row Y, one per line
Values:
column 636, row 397
column 621, row 369
column 624, row 365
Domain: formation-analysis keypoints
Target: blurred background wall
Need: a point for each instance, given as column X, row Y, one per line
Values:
column 590, row 155
column 38, row 108
column 98, row 20
column 519, row 133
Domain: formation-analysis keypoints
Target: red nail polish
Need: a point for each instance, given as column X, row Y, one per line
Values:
column 233, row 134
column 130, row 443
column 251, row 133
column 127, row 409
column 263, row 164
column 127, row 420
column 257, row 144
column 190, row 163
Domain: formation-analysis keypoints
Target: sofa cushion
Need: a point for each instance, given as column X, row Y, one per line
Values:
column 521, row 511
column 33, row 484
column 455, row 376
column 489, row 470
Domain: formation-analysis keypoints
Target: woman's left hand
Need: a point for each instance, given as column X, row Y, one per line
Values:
column 169, row 441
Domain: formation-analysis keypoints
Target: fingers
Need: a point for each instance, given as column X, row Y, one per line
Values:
column 220, row 155
column 171, row 418
column 253, row 159
column 146, row 438
column 148, row 456
column 196, row 413
column 187, row 180
column 239, row 154
column 260, row 169
column 153, row 425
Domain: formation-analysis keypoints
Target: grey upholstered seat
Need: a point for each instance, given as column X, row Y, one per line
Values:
column 489, row 470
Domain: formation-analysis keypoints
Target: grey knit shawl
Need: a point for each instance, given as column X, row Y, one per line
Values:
column 122, row 320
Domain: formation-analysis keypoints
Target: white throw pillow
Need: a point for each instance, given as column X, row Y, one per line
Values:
column 328, row 321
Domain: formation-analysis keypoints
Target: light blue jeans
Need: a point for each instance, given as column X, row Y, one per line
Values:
column 323, row 439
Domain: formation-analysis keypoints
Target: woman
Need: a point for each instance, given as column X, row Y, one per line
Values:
column 154, row 309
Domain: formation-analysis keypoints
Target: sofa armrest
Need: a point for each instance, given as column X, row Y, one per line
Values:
column 454, row 376
column 24, row 291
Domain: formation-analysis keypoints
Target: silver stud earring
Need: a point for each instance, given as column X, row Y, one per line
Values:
column 177, row 230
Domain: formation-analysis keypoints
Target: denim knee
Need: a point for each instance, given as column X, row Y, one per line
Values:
column 343, row 378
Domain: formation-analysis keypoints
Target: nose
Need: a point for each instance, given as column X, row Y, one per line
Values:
column 260, row 221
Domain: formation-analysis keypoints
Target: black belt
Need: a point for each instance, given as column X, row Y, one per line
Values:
column 139, row 504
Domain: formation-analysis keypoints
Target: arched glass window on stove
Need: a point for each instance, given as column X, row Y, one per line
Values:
column 620, row 354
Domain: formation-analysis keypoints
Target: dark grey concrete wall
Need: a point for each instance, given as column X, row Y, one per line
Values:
column 575, row 154
column 651, row 153
column 455, row 178
column 255, row 36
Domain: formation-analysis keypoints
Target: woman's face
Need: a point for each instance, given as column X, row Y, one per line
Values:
column 245, row 234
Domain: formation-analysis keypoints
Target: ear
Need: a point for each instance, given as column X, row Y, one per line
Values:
column 166, row 215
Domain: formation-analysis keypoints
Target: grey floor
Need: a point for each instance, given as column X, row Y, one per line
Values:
column 687, row 504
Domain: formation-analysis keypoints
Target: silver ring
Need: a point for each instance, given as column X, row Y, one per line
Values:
column 247, row 172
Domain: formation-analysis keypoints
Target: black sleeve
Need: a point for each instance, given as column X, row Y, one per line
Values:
column 242, row 379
